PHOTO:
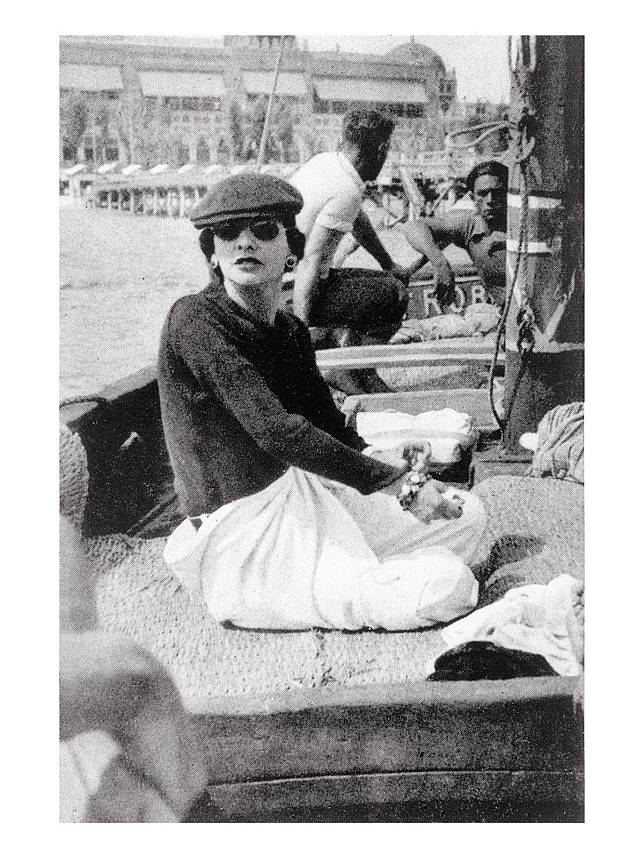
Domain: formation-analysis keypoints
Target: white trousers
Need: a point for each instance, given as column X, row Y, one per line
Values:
column 307, row 552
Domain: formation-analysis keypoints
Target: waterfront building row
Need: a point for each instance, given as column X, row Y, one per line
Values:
column 157, row 100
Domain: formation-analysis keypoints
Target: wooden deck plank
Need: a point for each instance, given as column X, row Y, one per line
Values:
column 525, row 724
column 456, row 351
column 508, row 789
column 473, row 401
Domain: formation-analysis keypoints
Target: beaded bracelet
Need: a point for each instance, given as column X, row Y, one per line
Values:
column 411, row 488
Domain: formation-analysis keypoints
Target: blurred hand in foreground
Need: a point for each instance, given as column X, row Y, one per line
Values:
column 130, row 750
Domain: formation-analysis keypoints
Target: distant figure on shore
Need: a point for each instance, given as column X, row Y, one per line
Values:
column 370, row 303
column 482, row 233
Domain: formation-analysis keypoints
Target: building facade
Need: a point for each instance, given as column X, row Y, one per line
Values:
column 154, row 100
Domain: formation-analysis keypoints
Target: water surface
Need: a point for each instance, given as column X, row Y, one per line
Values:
column 119, row 275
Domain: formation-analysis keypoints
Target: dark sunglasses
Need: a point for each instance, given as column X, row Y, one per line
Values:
column 265, row 230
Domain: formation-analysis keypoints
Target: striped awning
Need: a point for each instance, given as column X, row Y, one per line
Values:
column 90, row 78
column 367, row 89
column 288, row 83
column 182, row 84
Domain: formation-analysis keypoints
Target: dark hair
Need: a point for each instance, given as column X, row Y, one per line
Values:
column 367, row 129
column 487, row 168
column 296, row 241
column 207, row 242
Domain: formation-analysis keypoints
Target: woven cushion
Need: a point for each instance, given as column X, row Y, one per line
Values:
column 73, row 475
column 535, row 532
column 137, row 596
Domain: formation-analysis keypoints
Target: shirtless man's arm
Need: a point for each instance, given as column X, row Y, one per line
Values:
column 421, row 237
column 365, row 234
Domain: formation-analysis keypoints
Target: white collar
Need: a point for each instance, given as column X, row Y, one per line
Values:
column 348, row 168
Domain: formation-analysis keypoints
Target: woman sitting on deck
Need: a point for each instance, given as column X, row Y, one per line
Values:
column 292, row 522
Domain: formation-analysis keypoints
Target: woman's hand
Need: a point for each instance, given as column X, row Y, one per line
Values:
column 418, row 455
column 411, row 456
column 431, row 504
column 445, row 282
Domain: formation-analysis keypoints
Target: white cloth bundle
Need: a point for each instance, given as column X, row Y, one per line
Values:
column 294, row 556
column 479, row 319
column 482, row 317
column 559, row 449
column 449, row 432
column 532, row 618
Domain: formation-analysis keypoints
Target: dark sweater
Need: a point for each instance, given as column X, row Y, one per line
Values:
column 241, row 401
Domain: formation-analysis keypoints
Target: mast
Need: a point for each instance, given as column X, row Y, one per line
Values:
column 269, row 108
column 545, row 323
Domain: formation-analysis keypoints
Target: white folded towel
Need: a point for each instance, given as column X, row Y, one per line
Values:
column 449, row 432
column 532, row 618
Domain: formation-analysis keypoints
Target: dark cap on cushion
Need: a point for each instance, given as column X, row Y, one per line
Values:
column 247, row 195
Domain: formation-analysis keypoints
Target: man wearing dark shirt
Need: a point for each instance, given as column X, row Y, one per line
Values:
column 482, row 233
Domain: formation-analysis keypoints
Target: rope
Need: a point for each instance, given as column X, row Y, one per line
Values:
column 502, row 422
column 84, row 398
column 525, row 316
column 471, row 128
column 499, row 126
column 441, row 197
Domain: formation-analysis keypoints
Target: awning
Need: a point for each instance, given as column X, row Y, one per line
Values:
column 90, row 78
column 288, row 83
column 182, row 84
column 366, row 89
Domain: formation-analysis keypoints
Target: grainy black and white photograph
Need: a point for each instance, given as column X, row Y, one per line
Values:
column 321, row 439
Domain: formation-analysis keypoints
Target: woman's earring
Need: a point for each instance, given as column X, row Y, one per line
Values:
column 214, row 262
column 291, row 262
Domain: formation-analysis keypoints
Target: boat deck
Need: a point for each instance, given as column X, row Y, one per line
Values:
column 321, row 724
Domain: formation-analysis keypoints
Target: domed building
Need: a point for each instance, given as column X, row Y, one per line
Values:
column 177, row 100
column 428, row 62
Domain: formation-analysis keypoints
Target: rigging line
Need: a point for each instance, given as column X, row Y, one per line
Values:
column 515, row 54
column 502, row 422
column 479, row 127
column 441, row 197
column 269, row 108
column 501, row 126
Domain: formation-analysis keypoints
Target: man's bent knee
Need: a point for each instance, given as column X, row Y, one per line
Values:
column 387, row 312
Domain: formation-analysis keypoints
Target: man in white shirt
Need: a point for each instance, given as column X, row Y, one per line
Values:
column 370, row 303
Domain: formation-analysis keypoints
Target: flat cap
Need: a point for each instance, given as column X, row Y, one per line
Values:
column 247, row 195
